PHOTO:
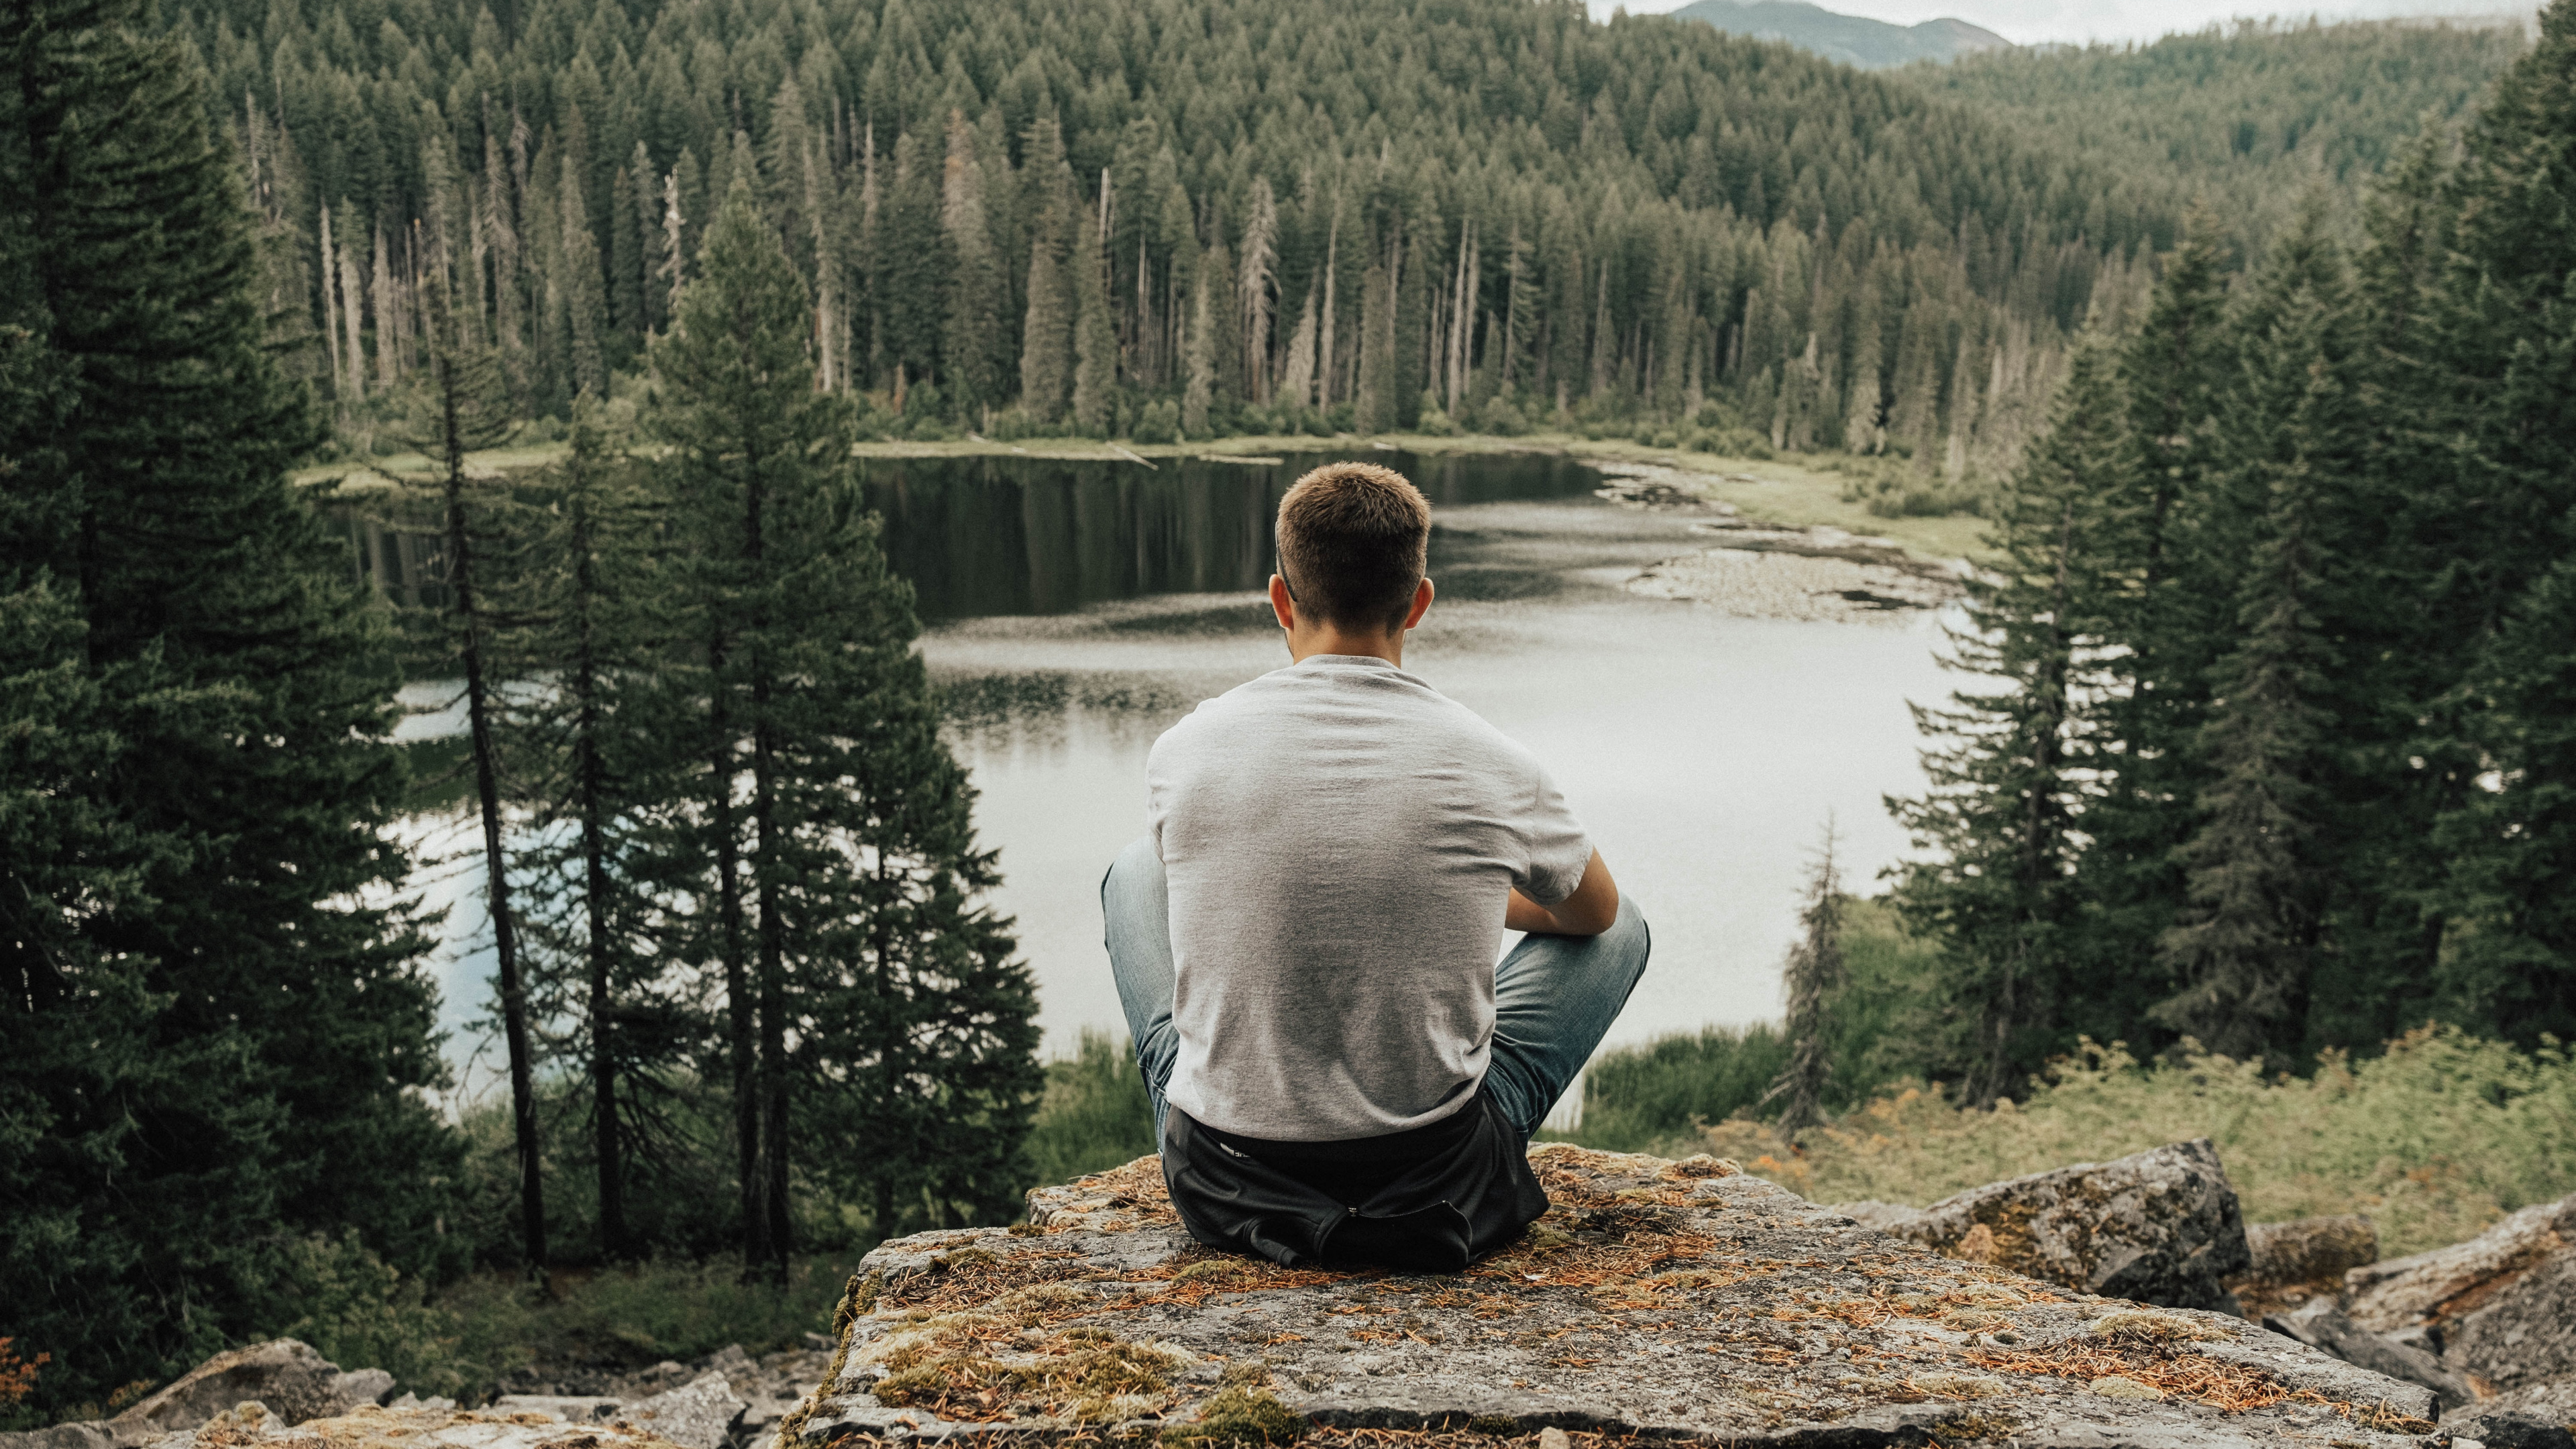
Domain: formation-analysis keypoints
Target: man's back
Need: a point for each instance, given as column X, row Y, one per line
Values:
column 1304, row 939
column 1338, row 839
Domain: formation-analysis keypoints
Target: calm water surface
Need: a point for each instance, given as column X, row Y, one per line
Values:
column 1077, row 610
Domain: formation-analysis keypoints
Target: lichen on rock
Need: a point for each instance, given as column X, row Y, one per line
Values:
column 1655, row 1298
column 2161, row 1226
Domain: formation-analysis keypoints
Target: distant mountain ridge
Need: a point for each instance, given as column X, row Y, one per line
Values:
column 1851, row 39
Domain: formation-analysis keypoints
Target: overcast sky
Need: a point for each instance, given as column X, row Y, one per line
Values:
column 2027, row 21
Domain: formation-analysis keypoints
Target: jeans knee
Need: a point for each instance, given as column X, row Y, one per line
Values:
column 1629, row 934
column 1130, row 868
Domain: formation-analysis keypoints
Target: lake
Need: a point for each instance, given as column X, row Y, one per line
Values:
column 1075, row 610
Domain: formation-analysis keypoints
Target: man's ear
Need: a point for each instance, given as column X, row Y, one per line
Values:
column 1282, row 605
column 1421, row 604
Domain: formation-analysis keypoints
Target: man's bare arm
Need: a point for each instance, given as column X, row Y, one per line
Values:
column 1587, row 912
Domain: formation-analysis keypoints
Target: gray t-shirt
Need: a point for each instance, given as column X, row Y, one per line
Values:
column 1338, row 838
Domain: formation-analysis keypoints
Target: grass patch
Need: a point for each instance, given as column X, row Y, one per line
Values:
column 1801, row 496
column 629, row 1318
column 2434, row 1140
column 466, row 1340
column 1238, row 1415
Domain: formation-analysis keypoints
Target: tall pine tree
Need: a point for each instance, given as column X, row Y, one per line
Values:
column 212, row 876
column 1814, row 975
column 2494, row 391
column 2015, row 771
column 588, row 618
column 1095, row 335
column 464, row 407
column 2258, row 876
column 2510, row 966
column 827, row 782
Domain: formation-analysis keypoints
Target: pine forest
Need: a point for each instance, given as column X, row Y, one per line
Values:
column 1171, row 220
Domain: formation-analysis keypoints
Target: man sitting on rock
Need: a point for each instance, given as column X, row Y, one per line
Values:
column 1304, row 940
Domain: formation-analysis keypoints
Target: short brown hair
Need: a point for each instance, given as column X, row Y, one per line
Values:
column 1353, row 541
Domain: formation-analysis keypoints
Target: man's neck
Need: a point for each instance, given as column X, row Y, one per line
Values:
column 1305, row 644
column 1309, row 636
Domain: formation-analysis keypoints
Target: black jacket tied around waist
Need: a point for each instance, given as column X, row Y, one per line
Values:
column 1471, row 1195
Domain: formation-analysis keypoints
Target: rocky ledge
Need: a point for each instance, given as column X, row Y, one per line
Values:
column 1656, row 1299
column 282, row 1393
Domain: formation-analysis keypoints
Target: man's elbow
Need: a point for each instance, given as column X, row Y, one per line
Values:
column 1594, row 906
column 1590, row 911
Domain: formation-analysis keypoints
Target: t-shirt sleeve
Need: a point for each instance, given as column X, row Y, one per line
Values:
column 1555, row 848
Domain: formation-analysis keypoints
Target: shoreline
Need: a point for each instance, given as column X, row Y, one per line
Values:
column 1753, row 569
column 1786, row 494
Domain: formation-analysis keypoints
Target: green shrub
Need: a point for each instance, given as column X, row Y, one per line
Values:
column 358, row 1312
column 1636, row 1097
column 2434, row 1140
column 1159, row 422
column 1503, row 420
column 659, row 1310
column 1095, row 1114
column 465, row 1342
column 1740, row 442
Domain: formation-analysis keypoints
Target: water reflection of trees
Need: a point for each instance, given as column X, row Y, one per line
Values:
column 396, row 553
column 1047, row 712
column 1006, row 536
column 985, row 536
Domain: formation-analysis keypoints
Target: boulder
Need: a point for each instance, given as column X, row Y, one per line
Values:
column 772, row 1387
column 80, row 1434
column 363, row 1386
column 2505, row 1429
column 2439, row 1287
column 2540, row 1417
column 287, row 1375
column 2160, row 1227
column 1887, row 1217
column 2310, row 1250
column 2322, row 1325
column 2500, row 1308
column 700, row 1414
column 1655, row 1299
column 2301, row 1260
column 2525, row 1334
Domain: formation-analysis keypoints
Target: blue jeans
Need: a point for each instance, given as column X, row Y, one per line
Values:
column 1554, row 996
